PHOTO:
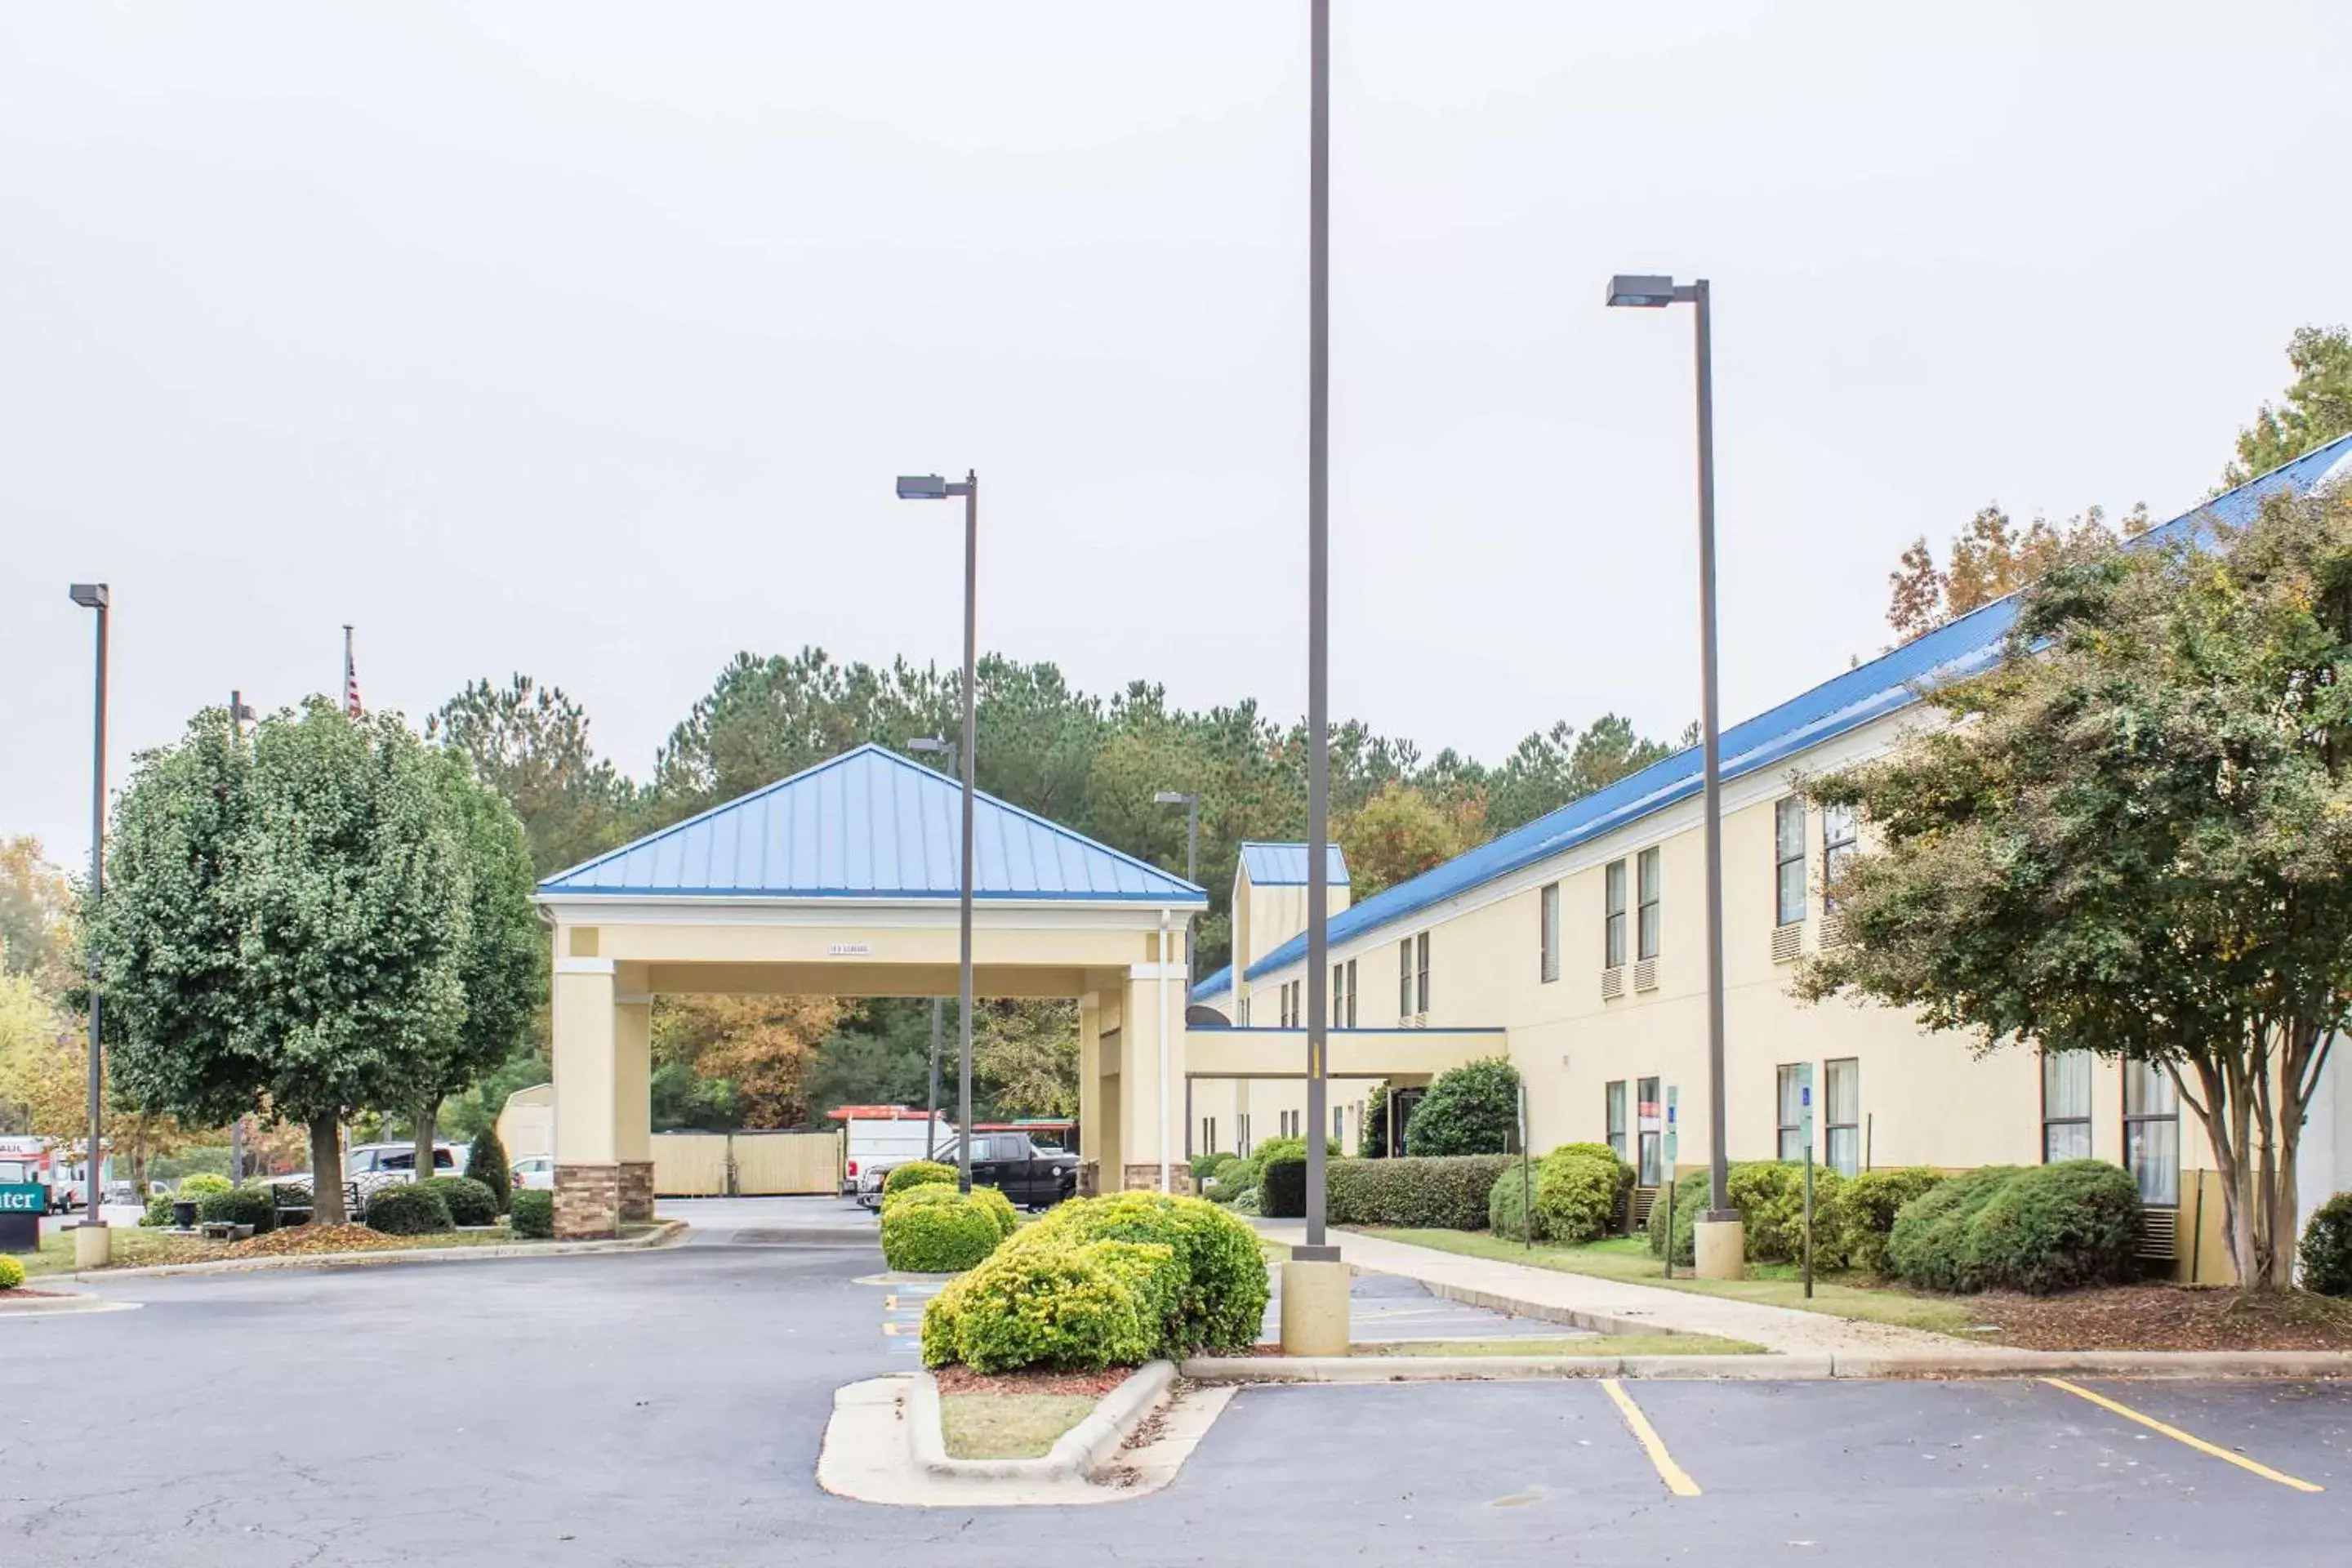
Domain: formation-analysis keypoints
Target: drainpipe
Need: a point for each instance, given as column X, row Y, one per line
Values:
column 1163, row 1053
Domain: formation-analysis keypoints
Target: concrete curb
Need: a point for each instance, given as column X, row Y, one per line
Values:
column 13, row 1303
column 2136, row 1365
column 1076, row 1454
column 668, row 1232
column 1542, row 1312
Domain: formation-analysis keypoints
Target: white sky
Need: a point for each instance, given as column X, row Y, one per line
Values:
column 586, row 340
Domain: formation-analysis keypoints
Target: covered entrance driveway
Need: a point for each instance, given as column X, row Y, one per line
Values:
column 840, row 881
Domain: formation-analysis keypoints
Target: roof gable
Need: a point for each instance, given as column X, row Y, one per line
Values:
column 1285, row 865
column 869, row 824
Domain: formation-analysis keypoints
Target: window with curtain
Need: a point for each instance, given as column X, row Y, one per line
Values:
column 1612, row 915
column 1650, row 1130
column 1613, row 1116
column 1208, row 1135
column 1338, row 996
column 1404, row 979
column 1839, row 839
column 1645, row 886
column 1547, row 931
column 1421, row 975
column 1788, row 860
column 1350, row 1020
column 1842, row 1114
column 2152, row 1133
column 1791, row 1098
column 2065, row 1106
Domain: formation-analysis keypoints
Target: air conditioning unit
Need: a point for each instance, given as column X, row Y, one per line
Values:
column 1421, row 1020
column 1788, row 942
column 1646, row 974
column 2159, row 1234
column 1612, row 982
column 1832, row 930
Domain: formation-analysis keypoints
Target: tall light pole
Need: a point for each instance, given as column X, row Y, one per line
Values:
column 938, row 745
column 239, row 715
column 931, row 486
column 94, row 1245
column 1649, row 291
column 1191, row 804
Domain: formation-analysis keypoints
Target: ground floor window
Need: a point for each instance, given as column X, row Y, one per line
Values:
column 2065, row 1106
column 1841, row 1107
column 1242, row 1144
column 1208, row 1135
column 1790, row 1096
column 1614, row 1094
column 1650, row 1129
column 1338, row 1126
column 1288, row 1122
column 2152, row 1133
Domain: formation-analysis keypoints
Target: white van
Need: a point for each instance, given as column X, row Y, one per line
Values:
column 887, row 1134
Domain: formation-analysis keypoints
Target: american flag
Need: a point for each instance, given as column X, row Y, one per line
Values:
column 351, row 679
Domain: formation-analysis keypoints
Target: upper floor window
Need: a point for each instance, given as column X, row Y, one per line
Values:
column 1612, row 915
column 1646, row 923
column 1788, row 860
column 1343, row 996
column 1838, row 840
column 1548, row 931
column 1405, row 978
column 1420, row 971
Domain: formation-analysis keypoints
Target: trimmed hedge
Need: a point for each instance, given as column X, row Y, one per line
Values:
column 1249, row 1170
column 998, row 1207
column 1864, row 1217
column 2036, row 1228
column 470, row 1202
column 917, row 1174
column 487, row 1162
column 938, row 1235
column 1282, row 1187
column 1437, row 1192
column 239, row 1206
column 533, row 1214
column 1578, row 1189
column 2326, row 1253
column 1470, row 1109
column 412, row 1208
column 12, row 1273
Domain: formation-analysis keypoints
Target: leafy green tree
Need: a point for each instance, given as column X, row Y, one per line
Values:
column 1470, row 1109
column 529, row 742
column 36, row 913
column 1399, row 834
column 1024, row 1057
column 2135, row 838
column 2316, row 409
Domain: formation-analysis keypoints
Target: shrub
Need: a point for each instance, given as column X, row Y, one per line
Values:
column 195, row 1186
column 1245, row 1201
column 1065, row 1307
column 470, row 1202
column 1448, row 1192
column 12, row 1273
column 1770, row 1198
column 1470, row 1109
column 239, row 1206
column 533, row 1214
column 1250, row 1170
column 1282, row 1187
column 2327, row 1252
column 2037, row 1228
column 938, row 1235
column 998, row 1207
column 1578, row 1189
column 412, row 1208
column 1864, row 1216
column 159, row 1212
column 1690, row 1197
column 1221, row 1300
column 487, row 1162
column 1204, row 1166
column 1372, row 1138
column 918, row 1173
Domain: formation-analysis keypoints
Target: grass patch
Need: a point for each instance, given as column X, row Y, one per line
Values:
column 136, row 1246
column 1008, row 1426
column 1603, row 1344
column 1773, row 1285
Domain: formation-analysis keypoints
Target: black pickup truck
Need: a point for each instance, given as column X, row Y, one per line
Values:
column 1033, row 1174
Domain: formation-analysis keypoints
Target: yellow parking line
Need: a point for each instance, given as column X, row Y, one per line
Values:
column 1677, row 1479
column 2177, row 1435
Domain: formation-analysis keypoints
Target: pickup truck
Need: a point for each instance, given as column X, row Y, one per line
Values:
column 1033, row 1174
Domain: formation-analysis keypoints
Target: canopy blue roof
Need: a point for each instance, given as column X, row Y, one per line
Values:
column 1868, row 691
column 1285, row 865
column 870, row 823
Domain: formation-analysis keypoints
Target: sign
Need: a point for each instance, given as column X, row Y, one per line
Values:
column 1805, row 1102
column 22, row 1204
column 851, row 949
column 1674, row 1131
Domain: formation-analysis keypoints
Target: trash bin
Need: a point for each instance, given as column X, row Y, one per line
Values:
column 184, row 1214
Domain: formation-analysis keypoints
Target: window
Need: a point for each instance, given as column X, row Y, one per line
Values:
column 1405, row 978
column 1791, row 1101
column 1650, row 1128
column 1612, row 915
column 1841, row 1107
column 2065, row 1106
column 1838, row 839
column 1421, row 975
column 1343, row 996
column 1351, row 994
column 1208, row 1135
column 2152, row 1133
column 1339, row 1132
column 1242, row 1133
column 1788, row 860
column 1241, row 1011
column 1645, row 918
column 1613, row 1093
column 1547, row 931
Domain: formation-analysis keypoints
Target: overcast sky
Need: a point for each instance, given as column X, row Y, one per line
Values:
column 585, row 340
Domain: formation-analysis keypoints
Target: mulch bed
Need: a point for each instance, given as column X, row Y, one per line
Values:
column 1092, row 1384
column 297, row 1240
column 22, row 1291
column 2167, row 1318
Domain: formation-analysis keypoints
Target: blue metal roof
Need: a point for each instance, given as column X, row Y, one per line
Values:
column 1868, row 691
column 1285, row 865
column 870, row 823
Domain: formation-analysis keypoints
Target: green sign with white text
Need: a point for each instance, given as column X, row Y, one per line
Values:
column 22, row 1204
column 24, row 1197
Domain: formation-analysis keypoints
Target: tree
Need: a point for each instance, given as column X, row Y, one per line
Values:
column 44, row 1068
column 1470, row 1109
column 2316, row 409
column 1991, row 559
column 758, row 1049
column 529, row 742
column 2135, row 839
column 485, row 1162
column 37, row 906
column 1399, row 834
column 1024, row 1055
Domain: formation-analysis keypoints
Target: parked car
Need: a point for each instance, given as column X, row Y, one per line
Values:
column 398, row 1160
column 534, row 1174
column 1033, row 1174
column 881, row 1136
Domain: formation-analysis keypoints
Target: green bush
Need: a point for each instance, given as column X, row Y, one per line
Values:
column 1769, row 1195
column 470, row 1202
column 918, row 1173
column 195, row 1186
column 239, row 1206
column 1864, row 1216
column 1204, row 1166
column 1221, row 1302
column 1448, row 1192
column 2037, row 1228
column 409, row 1209
column 1470, row 1109
column 1373, row 1137
column 936, row 1235
column 2327, row 1252
column 998, row 1207
column 1250, row 1170
column 533, row 1216
column 159, row 1212
column 487, row 1162
column 1690, row 1197
column 12, row 1273
column 1245, row 1201
column 1282, row 1187
column 1578, row 1189
column 1067, row 1307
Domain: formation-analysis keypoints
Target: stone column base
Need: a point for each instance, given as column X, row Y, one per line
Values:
column 1090, row 1179
column 636, row 1190
column 587, row 1202
column 1313, row 1309
column 1145, row 1178
column 1719, row 1248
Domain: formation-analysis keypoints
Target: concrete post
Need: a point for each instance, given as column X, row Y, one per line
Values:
column 586, row 1077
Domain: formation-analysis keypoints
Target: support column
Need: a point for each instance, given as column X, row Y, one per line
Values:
column 1141, row 1124
column 586, row 1072
column 1090, row 1094
column 632, row 1095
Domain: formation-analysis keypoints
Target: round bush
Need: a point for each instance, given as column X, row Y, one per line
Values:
column 2036, row 1228
column 2326, row 1253
column 1864, row 1216
column 239, row 1206
column 1067, row 1307
column 1250, row 1170
column 1690, row 1197
column 12, row 1273
column 1221, row 1301
column 487, row 1162
column 1770, row 1198
column 1929, row 1243
column 1470, row 1109
column 935, row 1237
column 412, row 1208
column 159, row 1212
column 917, row 1174
column 1578, row 1189
column 197, row 1186
column 533, row 1216
column 998, row 1207
column 1207, row 1165
column 470, row 1202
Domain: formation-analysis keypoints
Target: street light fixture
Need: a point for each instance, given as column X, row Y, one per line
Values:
column 94, row 1244
column 1650, row 292
column 931, row 486
column 934, row 745
column 1191, row 804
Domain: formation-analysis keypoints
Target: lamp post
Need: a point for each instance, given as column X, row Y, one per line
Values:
column 239, row 716
column 92, row 1244
column 936, row 745
column 1191, row 804
column 931, row 486
column 1649, row 291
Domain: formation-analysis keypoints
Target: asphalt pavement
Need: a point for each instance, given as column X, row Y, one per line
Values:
column 666, row 1407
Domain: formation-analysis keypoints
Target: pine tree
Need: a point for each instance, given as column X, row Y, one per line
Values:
column 487, row 1162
